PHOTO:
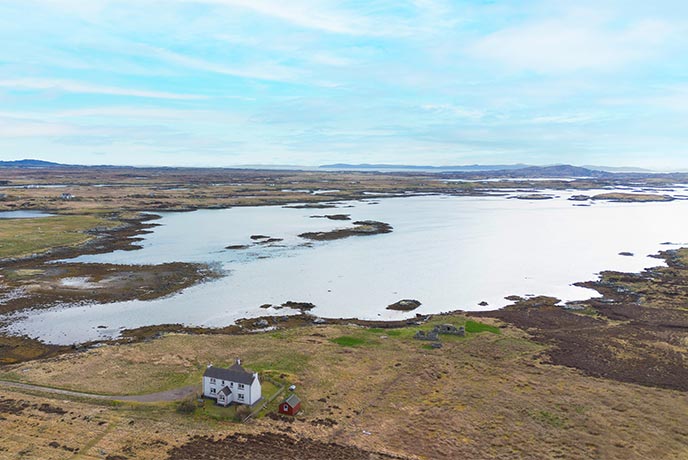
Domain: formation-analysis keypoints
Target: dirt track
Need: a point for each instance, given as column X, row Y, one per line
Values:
column 162, row 396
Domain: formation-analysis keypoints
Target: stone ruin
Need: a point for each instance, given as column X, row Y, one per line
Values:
column 430, row 336
column 434, row 334
column 450, row 329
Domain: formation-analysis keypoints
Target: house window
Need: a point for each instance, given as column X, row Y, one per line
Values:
column 241, row 386
column 240, row 396
column 212, row 381
column 286, row 407
column 223, row 382
column 212, row 391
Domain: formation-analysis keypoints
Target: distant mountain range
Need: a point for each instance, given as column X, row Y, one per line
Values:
column 388, row 167
column 468, row 171
column 29, row 164
column 482, row 168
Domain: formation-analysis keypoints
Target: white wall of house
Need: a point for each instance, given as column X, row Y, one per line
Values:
column 209, row 389
column 256, row 391
column 243, row 394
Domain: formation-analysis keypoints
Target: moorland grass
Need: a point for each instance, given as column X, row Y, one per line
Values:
column 23, row 237
column 349, row 341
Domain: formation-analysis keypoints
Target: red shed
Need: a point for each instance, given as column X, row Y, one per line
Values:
column 290, row 406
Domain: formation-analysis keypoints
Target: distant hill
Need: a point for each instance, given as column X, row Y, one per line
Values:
column 551, row 171
column 474, row 171
column 388, row 167
column 620, row 169
column 513, row 170
column 29, row 164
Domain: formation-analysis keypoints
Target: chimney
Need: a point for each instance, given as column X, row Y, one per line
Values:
column 209, row 366
column 238, row 361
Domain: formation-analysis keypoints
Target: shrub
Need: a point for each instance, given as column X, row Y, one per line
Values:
column 242, row 411
column 187, row 406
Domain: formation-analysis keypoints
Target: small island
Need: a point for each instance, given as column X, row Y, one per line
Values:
column 620, row 197
column 404, row 305
column 361, row 227
column 333, row 217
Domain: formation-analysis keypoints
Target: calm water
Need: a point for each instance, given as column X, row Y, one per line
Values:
column 448, row 252
column 23, row 214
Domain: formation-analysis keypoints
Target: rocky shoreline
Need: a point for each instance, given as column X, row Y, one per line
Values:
column 639, row 323
column 636, row 332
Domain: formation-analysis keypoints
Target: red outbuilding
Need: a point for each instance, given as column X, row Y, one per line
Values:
column 290, row 406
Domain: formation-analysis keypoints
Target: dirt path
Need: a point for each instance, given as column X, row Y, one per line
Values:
column 162, row 396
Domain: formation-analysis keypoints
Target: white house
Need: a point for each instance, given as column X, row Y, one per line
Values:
column 233, row 385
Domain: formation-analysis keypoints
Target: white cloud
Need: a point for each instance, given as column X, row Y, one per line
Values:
column 260, row 71
column 70, row 86
column 151, row 113
column 453, row 110
column 10, row 128
column 323, row 15
column 574, row 118
column 570, row 44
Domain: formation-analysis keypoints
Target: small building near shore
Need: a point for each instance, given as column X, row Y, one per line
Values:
column 290, row 406
column 231, row 385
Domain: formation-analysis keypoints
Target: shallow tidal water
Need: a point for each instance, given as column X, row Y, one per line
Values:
column 23, row 214
column 448, row 252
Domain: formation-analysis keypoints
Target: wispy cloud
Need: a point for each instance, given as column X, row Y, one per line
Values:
column 23, row 128
column 323, row 15
column 305, row 81
column 262, row 71
column 69, row 86
column 453, row 110
column 569, row 44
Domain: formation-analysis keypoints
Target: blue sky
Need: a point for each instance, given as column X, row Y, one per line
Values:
column 230, row 82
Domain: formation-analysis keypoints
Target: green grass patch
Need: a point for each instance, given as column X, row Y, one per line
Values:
column 289, row 363
column 349, row 341
column 476, row 327
column 387, row 332
column 549, row 418
column 22, row 237
column 212, row 410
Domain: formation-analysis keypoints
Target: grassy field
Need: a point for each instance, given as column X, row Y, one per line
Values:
column 23, row 237
column 486, row 395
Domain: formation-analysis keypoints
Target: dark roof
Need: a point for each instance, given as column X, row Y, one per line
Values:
column 236, row 373
column 225, row 391
column 292, row 400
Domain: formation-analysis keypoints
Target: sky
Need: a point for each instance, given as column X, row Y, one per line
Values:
column 296, row 82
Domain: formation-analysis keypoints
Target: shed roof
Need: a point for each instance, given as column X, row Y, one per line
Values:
column 235, row 373
column 292, row 400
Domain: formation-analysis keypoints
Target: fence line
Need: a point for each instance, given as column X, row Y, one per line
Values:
column 266, row 402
